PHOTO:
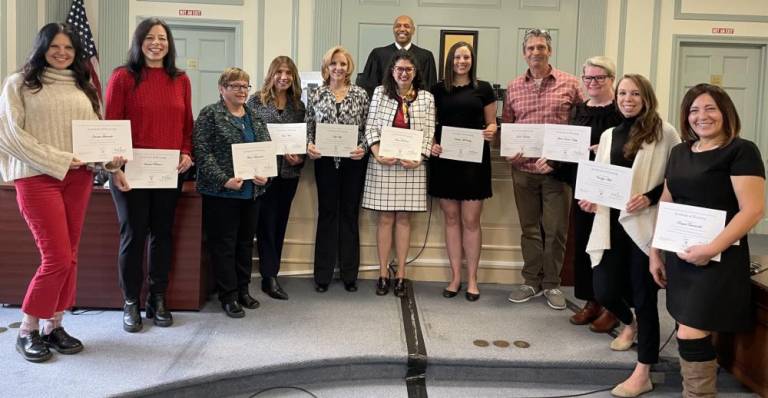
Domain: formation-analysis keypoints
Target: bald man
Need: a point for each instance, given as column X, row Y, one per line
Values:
column 379, row 58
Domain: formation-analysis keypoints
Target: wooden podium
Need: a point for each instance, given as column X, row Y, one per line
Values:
column 97, row 281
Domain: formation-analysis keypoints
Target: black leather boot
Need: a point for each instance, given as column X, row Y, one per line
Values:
column 156, row 309
column 131, row 316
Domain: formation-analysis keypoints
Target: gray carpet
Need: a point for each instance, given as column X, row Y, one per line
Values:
column 336, row 344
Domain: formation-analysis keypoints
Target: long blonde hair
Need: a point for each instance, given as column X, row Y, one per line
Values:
column 269, row 93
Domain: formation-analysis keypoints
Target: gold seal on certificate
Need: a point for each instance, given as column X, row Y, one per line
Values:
column 605, row 184
column 465, row 145
column 337, row 140
column 401, row 143
column 290, row 138
column 254, row 159
column 679, row 227
column 153, row 168
column 101, row 140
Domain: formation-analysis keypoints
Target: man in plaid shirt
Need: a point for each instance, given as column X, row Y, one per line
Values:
column 542, row 94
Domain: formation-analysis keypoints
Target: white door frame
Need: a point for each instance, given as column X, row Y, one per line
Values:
column 762, row 90
column 209, row 23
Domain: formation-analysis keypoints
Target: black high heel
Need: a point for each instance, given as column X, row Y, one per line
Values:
column 382, row 286
column 399, row 289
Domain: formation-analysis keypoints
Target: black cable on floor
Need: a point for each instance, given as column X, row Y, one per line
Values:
column 262, row 391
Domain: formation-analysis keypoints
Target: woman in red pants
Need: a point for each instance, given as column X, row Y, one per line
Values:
column 37, row 107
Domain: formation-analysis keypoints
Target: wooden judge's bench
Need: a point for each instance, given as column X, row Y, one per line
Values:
column 745, row 354
column 97, row 281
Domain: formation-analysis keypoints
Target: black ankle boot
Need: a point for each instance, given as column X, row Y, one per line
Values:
column 33, row 348
column 131, row 316
column 156, row 309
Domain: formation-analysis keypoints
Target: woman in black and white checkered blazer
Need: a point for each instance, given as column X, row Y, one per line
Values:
column 396, row 187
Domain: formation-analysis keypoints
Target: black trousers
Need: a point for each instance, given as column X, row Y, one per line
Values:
column 622, row 280
column 582, row 266
column 230, row 225
column 273, row 221
column 339, row 192
column 143, row 212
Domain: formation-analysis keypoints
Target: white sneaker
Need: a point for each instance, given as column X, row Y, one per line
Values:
column 555, row 298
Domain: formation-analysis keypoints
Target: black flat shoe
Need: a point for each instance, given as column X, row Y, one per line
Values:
column 382, row 286
column 350, row 286
column 157, row 311
column 472, row 296
column 62, row 342
column 33, row 348
column 399, row 289
column 247, row 301
column 131, row 316
column 321, row 287
column 272, row 288
column 450, row 293
column 233, row 309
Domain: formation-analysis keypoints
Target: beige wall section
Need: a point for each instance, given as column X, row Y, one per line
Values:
column 638, row 54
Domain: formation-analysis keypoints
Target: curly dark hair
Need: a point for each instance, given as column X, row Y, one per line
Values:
column 136, row 61
column 390, row 86
column 35, row 65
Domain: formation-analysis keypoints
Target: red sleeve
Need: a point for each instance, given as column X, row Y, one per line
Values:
column 508, row 114
column 186, row 145
column 116, row 95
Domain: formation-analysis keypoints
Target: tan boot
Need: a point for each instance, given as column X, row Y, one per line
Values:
column 699, row 378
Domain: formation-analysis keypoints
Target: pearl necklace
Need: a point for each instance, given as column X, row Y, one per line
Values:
column 697, row 147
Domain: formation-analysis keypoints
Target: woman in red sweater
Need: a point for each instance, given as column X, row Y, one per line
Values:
column 155, row 96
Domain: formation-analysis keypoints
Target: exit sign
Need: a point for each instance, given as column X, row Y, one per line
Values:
column 723, row 31
column 190, row 13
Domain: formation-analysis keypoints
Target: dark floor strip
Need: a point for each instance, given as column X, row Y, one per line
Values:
column 415, row 379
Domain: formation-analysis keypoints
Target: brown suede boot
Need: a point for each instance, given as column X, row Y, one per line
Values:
column 604, row 323
column 589, row 313
column 699, row 378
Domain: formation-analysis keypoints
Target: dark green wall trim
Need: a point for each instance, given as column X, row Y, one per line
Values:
column 114, row 37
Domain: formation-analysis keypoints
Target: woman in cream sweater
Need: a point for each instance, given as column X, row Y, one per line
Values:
column 37, row 107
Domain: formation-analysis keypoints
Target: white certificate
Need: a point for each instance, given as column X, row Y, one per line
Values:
column 527, row 139
column 604, row 184
column 462, row 144
column 254, row 159
column 679, row 227
column 153, row 168
column 400, row 143
column 101, row 140
column 338, row 140
column 566, row 143
column 290, row 138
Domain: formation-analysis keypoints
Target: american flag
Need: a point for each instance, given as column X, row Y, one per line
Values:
column 79, row 22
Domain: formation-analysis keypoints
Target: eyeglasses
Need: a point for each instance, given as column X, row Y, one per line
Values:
column 597, row 78
column 404, row 69
column 239, row 87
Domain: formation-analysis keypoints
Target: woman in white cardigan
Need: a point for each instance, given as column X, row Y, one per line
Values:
column 37, row 107
column 397, row 187
column 620, row 240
